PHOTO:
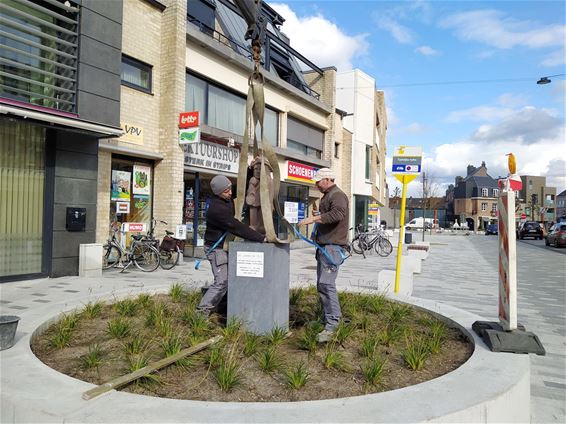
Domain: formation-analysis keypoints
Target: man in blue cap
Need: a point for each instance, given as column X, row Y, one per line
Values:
column 219, row 220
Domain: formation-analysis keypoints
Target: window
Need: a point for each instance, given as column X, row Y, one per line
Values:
column 38, row 53
column 224, row 110
column 495, row 192
column 484, row 207
column 201, row 11
column 368, row 162
column 494, row 207
column 337, row 150
column 136, row 74
column 484, row 192
column 304, row 138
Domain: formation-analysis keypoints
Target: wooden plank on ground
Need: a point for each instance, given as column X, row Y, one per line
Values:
column 125, row 379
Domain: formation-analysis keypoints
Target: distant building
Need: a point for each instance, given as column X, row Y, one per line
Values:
column 537, row 201
column 561, row 205
column 473, row 199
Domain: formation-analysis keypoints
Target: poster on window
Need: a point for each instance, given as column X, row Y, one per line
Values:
column 121, row 185
column 141, row 202
column 142, row 177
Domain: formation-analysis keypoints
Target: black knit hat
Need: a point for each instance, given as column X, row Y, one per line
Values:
column 220, row 183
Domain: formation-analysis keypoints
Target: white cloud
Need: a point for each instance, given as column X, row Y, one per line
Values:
column 427, row 51
column 320, row 40
column 556, row 174
column 511, row 100
column 479, row 113
column 528, row 125
column 399, row 32
column 556, row 58
column 495, row 29
column 534, row 136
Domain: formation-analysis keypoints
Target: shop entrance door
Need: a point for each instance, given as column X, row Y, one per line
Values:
column 22, row 180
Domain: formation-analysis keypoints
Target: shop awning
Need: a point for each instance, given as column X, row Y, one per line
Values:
column 103, row 131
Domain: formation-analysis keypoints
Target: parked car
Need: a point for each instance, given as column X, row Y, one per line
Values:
column 491, row 229
column 556, row 235
column 530, row 229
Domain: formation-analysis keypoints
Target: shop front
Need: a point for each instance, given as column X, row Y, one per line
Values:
column 203, row 160
column 131, row 194
column 297, row 188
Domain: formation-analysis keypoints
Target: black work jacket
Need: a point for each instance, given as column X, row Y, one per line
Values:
column 220, row 218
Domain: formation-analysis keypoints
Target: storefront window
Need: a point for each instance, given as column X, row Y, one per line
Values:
column 131, row 191
column 361, row 211
column 219, row 108
column 22, row 176
column 291, row 193
column 197, row 194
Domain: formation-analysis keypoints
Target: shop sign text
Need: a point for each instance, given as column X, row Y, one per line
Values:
column 212, row 156
column 132, row 133
column 188, row 119
column 300, row 172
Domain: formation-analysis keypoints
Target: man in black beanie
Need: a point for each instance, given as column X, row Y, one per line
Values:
column 220, row 219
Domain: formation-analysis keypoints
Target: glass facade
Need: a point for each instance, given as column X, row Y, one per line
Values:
column 38, row 53
column 22, row 180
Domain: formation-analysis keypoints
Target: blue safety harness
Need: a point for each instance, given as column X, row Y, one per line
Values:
column 322, row 250
column 214, row 246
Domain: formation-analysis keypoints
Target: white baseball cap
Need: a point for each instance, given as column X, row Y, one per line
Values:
column 323, row 173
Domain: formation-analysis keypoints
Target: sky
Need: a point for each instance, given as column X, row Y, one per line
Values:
column 459, row 77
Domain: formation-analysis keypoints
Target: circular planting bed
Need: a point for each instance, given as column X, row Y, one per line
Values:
column 381, row 345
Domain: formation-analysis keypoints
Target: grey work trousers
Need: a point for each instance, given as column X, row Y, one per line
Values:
column 326, row 274
column 218, row 259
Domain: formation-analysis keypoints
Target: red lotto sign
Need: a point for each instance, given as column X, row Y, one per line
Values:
column 188, row 119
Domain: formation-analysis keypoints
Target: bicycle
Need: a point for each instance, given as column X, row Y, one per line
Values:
column 170, row 248
column 142, row 255
column 366, row 240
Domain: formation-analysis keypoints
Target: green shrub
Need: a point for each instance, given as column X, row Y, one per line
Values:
column 171, row 345
column 93, row 358
column 126, row 307
column 251, row 343
column 369, row 346
column 177, row 292
column 137, row 345
column 268, row 360
column 276, row 336
column 416, row 353
column 227, row 374
column 333, row 359
column 372, row 370
column 92, row 310
column 144, row 300
column 118, row 328
column 297, row 377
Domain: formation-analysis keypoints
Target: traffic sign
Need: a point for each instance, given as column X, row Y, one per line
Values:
column 407, row 160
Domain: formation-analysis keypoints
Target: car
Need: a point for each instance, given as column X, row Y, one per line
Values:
column 491, row 229
column 530, row 229
column 556, row 235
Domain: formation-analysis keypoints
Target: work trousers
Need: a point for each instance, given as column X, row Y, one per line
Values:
column 326, row 274
column 218, row 259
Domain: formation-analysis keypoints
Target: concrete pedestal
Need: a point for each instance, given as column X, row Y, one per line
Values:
column 258, row 285
column 90, row 260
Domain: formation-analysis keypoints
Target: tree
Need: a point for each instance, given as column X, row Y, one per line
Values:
column 395, row 204
column 429, row 190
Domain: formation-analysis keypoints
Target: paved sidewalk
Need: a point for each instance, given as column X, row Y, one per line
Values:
column 460, row 271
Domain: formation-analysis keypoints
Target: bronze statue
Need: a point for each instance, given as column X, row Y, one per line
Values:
column 253, row 194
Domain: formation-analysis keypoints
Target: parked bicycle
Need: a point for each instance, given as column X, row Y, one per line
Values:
column 170, row 248
column 365, row 241
column 143, row 255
